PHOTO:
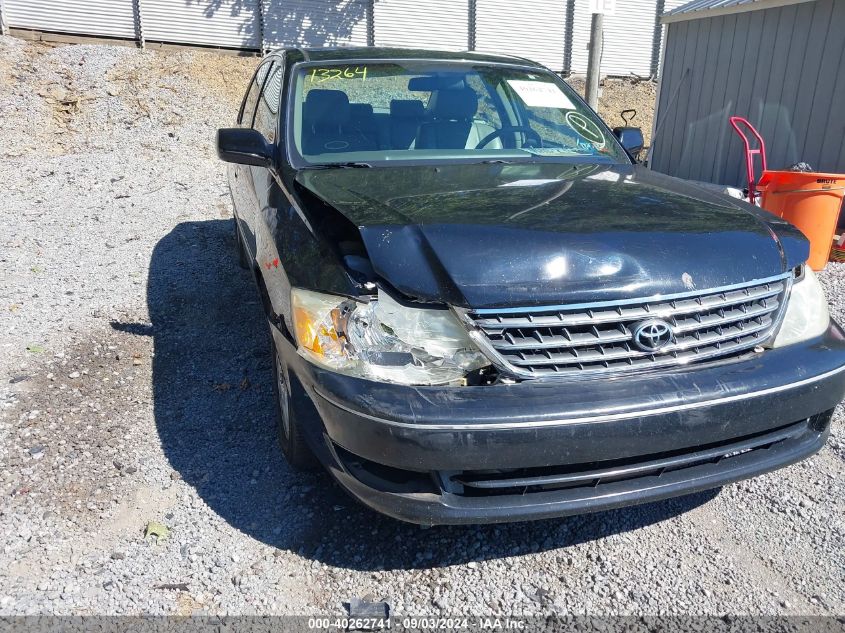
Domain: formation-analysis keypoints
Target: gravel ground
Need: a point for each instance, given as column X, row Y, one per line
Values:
column 134, row 388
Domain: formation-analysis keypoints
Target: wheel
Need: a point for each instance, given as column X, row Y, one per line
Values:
column 243, row 262
column 529, row 132
column 291, row 440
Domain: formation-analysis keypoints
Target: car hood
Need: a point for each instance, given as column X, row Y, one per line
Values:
column 496, row 235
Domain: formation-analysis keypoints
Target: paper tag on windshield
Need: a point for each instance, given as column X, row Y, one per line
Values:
column 529, row 182
column 541, row 94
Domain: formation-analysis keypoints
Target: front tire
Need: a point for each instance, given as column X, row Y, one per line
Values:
column 291, row 440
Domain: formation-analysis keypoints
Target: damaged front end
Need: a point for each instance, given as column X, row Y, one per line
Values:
column 384, row 340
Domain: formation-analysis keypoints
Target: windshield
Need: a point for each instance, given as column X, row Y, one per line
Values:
column 428, row 111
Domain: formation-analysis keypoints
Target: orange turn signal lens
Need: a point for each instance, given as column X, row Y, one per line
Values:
column 305, row 330
column 314, row 324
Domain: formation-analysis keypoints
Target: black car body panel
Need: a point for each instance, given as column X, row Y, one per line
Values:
column 485, row 236
column 398, row 449
column 580, row 422
column 472, row 236
column 699, row 473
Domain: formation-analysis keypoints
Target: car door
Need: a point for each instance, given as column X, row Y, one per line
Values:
column 264, row 187
column 240, row 176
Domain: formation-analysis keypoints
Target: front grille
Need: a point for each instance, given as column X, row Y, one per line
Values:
column 598, row 338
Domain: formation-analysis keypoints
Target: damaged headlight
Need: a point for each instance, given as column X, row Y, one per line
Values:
column 806, row 314
column 383, row 340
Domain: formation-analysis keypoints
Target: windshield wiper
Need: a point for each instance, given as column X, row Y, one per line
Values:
column 496, row 161
column 347, row 165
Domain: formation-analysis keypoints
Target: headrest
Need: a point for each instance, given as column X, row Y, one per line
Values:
column 407, row 108
column 361, row 110
column 326, row 108
column 454, row 104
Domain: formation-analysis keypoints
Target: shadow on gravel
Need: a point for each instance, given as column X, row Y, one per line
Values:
column 213, row 410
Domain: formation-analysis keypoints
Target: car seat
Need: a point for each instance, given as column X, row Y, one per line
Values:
column 405, row 118
column 327, row 125
column 450, row 112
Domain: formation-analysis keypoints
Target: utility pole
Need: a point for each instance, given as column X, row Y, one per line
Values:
column 594, row 60
column 139, row 23
column 4, row 29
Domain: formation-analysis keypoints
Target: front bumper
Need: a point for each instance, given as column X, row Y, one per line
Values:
column 541, row 449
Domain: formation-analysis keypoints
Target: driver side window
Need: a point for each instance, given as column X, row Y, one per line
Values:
column 247, row 113
column 267, row 113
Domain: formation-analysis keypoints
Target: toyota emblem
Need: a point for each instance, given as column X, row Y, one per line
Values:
column 652, row 335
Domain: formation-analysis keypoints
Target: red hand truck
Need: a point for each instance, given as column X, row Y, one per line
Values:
column 736, row 122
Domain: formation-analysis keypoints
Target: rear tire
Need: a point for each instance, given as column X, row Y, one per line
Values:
column 291, row 440
column 243, row 261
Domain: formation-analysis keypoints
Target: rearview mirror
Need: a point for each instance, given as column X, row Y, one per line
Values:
column 244, row 146
column 631, row 139
column 437, row 81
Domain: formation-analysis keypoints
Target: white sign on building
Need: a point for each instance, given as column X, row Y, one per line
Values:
column 606, row 7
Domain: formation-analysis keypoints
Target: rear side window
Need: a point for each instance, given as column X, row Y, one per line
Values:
column 248, row 109
column 267, row 114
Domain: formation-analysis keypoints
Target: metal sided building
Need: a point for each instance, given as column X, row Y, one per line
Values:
column 778, row 63
column 553, row 32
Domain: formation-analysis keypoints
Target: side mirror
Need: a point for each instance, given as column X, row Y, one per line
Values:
column 244, row 146
column 631, row 139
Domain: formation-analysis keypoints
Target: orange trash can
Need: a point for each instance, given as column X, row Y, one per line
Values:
column 809, row 200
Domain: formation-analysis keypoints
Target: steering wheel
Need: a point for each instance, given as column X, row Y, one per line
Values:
column 506, row 130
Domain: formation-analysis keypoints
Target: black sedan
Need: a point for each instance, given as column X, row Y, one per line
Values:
column 483, row 309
